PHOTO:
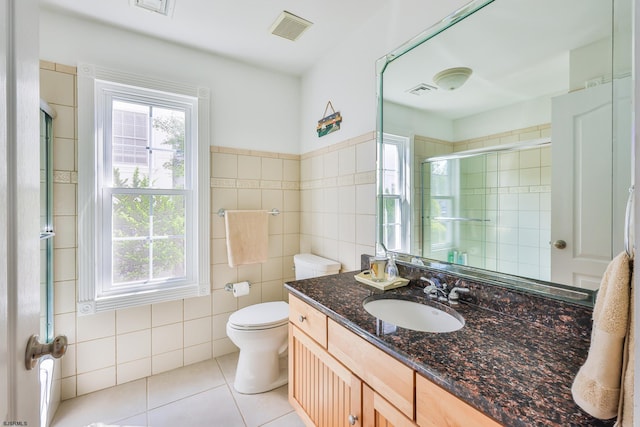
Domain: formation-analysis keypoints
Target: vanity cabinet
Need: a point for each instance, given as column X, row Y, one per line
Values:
column 378, row 412
column 322, row 390
column 436, row 407
column 337, row 378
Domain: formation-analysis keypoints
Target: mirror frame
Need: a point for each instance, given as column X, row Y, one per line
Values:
column 566, row 293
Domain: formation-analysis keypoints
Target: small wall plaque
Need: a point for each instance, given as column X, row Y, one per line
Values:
column 329, row 123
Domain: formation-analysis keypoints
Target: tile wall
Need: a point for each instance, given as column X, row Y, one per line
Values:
column 326, row 203
column 119, row 346
column 337, row 199
column 513, row 190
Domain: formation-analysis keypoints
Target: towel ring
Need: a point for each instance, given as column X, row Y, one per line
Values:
column 273, row 212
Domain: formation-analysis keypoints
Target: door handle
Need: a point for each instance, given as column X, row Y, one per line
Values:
column 56, row 348
column 559, row 244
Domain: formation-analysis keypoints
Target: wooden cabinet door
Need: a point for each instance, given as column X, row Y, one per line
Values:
column 323, row 392
column 436, row 407
column 377, row 412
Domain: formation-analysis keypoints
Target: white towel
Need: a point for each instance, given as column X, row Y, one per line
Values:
column 247, row 237
column 596, row 388
column 625, row 410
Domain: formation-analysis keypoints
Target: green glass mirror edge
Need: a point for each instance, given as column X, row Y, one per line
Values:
column 553, row 290
column 46, row 223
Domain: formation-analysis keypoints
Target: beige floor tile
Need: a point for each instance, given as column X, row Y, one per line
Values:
column 258, row 409
column 180, row 383
column 123, row 401
column 211, row 408
column 289, row 420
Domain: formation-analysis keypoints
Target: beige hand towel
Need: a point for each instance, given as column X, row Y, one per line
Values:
column 247, row 237
column 596, row 388
column 625, row 410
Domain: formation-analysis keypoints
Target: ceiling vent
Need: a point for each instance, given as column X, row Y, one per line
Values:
column 421, row 89
column 163, row 7
column 289, row 26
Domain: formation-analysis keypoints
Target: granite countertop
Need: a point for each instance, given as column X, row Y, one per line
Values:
column 516, row 371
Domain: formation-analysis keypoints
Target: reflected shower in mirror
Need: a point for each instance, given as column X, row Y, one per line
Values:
column 463, row 178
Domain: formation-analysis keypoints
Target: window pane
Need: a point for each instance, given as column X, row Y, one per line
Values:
column 168, row 259
column 167, row 145
column 169, row 216
column 130, row 138
column 130, row 261
column 131, row 214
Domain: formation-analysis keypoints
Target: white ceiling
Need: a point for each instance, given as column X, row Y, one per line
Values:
column 236, row 28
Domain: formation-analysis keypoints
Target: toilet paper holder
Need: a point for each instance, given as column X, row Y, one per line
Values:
column 229, row 286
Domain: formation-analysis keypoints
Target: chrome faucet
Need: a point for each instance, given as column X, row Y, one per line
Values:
column 434, row 287
column 435, row 290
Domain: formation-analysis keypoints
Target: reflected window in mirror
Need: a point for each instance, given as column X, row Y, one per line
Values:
column 395, row 192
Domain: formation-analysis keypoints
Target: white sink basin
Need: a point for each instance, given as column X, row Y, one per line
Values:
column 414, row 315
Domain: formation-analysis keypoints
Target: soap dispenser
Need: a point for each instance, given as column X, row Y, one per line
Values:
column 392, row 269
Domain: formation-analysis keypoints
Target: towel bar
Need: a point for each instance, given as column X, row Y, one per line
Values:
column 273, row 211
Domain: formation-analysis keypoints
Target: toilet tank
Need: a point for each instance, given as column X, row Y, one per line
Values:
column 310, row 265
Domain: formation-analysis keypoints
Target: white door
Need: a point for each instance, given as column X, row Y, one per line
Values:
column 581, row 199
column 19, row 209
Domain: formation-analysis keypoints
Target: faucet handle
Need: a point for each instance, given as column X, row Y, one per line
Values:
column 454, row 294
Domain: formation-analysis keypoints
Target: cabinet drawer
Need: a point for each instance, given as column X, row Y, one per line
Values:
column 437, row 407
column 390, row 378
column 308, row 319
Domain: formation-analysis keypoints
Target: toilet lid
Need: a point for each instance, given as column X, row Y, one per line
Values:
column 260, row 316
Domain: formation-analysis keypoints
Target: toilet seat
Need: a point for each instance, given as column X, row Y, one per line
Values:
column 266, row 315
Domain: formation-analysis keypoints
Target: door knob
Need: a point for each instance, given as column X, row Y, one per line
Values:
column 559, row 244
column 353, row 419
column 56, row 348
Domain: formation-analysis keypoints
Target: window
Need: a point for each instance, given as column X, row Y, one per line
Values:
column 142, row 188
column 396, row 215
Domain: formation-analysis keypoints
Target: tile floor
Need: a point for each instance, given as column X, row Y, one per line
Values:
column 196, row 395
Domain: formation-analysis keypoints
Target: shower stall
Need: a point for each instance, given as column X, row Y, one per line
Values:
column 490, row 208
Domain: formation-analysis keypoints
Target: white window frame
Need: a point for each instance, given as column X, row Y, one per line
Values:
column 94, row 292
column 403, row 195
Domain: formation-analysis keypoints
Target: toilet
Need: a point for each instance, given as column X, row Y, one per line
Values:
column 260, row 331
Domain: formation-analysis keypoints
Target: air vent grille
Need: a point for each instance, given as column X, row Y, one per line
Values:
column 289, row 26
column 421, row 89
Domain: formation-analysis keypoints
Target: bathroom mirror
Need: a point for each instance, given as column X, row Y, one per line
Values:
column 504, row 143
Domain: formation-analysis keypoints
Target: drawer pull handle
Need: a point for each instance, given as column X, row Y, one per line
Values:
column 353, row 419
column 302, row 318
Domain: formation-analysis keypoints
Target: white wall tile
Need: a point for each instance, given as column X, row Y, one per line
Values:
column 197, row 307
column 198, row 353
column 130, row 371
column 219, row 326
column 366, row 156
column 98, row 325
column 133, row 319
column 166, row 312
column 166, row 338
column 166, row 361
column 96, row 354
column 197, row 331
column 133, row 346
column 223, row 302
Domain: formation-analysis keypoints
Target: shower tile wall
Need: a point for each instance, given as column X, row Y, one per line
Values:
column 513, row 190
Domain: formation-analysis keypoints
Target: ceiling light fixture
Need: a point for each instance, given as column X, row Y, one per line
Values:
column 289, row 26
column 162, row 7
column 452, row 78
